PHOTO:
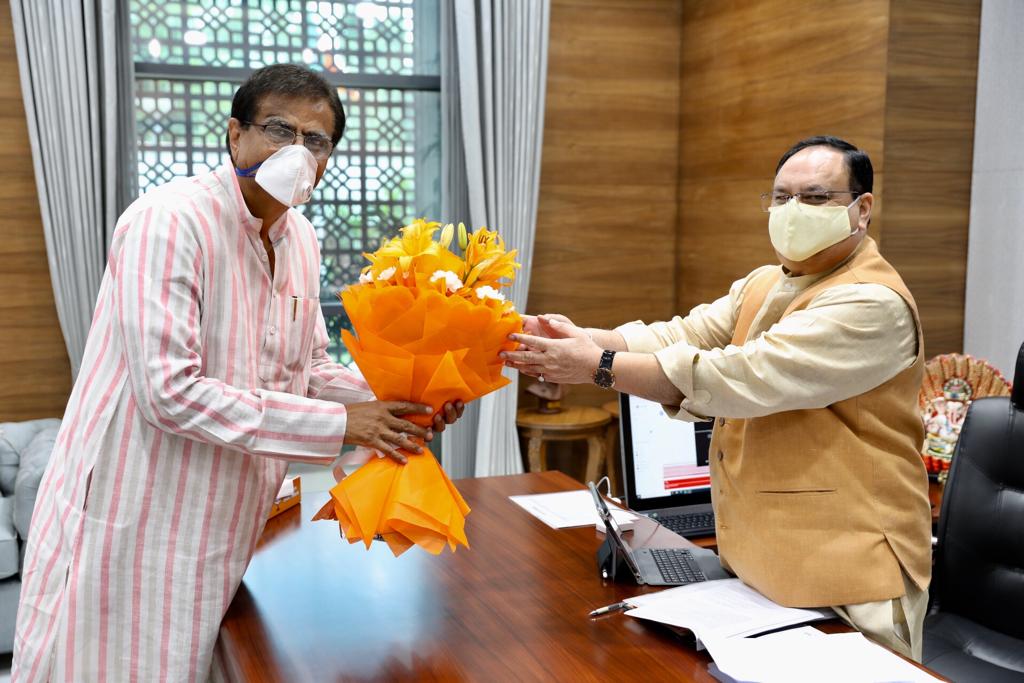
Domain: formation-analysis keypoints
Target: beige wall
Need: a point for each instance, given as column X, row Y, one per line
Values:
column 35, row 376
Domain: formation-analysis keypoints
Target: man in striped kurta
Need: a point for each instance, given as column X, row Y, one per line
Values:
column 204, row 374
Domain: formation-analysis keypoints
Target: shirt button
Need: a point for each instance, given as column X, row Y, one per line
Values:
column 720, row 456
column 272, row 330
column 721, row 422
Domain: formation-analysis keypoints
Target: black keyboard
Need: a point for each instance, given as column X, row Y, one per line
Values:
column 686, row 525
column 677, row 565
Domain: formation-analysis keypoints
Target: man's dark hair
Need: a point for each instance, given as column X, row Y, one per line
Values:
column 288, row 80
column 858, row 164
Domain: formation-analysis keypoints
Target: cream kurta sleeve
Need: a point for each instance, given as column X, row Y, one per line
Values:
column 849, row 340
column 707, row 326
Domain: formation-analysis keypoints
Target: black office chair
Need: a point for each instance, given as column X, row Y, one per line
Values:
column 975, row 631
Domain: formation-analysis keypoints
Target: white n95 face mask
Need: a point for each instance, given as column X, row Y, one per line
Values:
column 288, row 175
column 799, row 231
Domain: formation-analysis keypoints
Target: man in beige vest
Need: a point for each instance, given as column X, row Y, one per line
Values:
column 811, row 372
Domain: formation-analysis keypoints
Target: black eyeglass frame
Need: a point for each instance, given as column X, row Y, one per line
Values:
column 319, row 154
column 772, row 199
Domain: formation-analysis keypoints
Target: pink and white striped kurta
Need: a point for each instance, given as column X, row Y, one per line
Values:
column 203, row 375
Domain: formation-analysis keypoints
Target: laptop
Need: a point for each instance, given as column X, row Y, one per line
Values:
column 665, row 467
column 650, row 566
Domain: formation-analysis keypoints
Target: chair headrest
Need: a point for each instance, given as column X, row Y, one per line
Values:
column 1018, row 381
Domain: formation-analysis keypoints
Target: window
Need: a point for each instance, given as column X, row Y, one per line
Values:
column 191, row 55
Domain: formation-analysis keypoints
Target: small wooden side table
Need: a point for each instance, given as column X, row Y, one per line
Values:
column 571, row 424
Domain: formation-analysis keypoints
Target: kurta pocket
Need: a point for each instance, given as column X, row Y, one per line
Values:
column 300, row 324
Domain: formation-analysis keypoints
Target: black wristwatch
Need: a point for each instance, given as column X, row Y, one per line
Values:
column 603, row 376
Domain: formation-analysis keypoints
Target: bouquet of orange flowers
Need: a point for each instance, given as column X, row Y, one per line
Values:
column 429, row 327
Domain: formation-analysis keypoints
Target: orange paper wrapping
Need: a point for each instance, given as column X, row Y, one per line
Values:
column 417, row 344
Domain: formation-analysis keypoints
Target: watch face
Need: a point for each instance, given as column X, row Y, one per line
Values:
column 603, row 377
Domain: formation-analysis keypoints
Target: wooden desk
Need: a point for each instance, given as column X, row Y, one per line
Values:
column 512, row 607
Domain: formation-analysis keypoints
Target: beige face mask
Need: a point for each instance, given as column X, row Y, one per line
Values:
column 799, row 231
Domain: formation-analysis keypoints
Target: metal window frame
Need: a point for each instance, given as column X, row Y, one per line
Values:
column 185, row 72
column 188, row 73
column 198, row 73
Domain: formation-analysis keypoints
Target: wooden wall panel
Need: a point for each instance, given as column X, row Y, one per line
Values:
column 896, row 78
column 607, row 218
column 929, row 147
column 757, row 76
column 35, row 376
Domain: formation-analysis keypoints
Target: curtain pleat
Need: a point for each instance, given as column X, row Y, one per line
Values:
column 77, row 75
column 494, row 73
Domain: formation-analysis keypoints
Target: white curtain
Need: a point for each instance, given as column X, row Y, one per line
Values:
column 74, row 57
column 493, row 79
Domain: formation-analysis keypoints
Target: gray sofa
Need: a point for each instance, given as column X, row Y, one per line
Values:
column 25, row 449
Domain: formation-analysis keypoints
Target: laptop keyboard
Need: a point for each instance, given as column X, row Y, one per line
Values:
column 686, row 525
column 677, row 565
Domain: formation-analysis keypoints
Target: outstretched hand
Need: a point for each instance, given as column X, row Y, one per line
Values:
column 541, row 325
column 560, row 352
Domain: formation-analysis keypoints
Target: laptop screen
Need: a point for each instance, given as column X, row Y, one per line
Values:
column 665, row 461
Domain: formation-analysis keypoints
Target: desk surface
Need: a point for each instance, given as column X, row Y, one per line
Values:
column 514, row 606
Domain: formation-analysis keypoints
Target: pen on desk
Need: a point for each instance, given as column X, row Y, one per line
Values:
column 608, row 609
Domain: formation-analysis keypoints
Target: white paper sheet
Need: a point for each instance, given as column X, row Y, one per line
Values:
column 569, row 509
column 808, row 655
column 287, row 489
column 719, row 609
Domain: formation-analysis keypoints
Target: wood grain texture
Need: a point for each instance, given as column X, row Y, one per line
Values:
column 511, row 607
column 895, row 78
column 929, row 148
column 757, row 76
column 607, row 216
column 33, row 359
column 754, row 76
column 609, row 167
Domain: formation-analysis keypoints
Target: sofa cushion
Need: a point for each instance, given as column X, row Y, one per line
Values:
column 15, row 437
column 34, row 458
column 8, row 538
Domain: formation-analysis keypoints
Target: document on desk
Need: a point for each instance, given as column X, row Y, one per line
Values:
column 569, row 509
column 806, row 655
column 721, row 609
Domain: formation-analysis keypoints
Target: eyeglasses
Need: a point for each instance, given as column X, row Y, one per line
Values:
column 279, row 134
column 770, row 199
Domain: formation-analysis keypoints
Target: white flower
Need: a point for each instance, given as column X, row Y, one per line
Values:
column 386, row 273
column 452, row 281
column 366, row 278
column 488, row 292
